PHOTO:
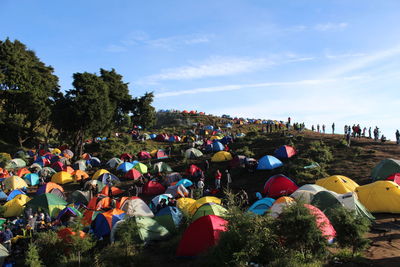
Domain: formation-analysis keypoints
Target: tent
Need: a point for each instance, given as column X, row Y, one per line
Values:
column 198, row 203
column 169, row 217
column 134, row 206
column 185, row 204
column 94, row 162
column 62, row 178
column 57, row 166
column 303, row 196
column 15, row 206
column 3, row 195
column 323, row 222
column 153, row 188
column 144, row 155
column 105, row 221
column 68, row 153
column 312, row 188
column 125, row 156
column 80, row 197
column 162, row 167
column 80, row 165
column 194, row 171
column 380, row 196
column 113, row 163
column 157, row 199
column 98, row 203
column 385, row 168
column 107, row 178
column 177, row 190
column 14, row 182
column 193, row 153
column 185, row 182
column 66, row 233
column 98, row 173
column 21, row 172
column 209, row 209
column 15, row 163
column 279, row 185
column 338, row 183
column 261, row 206
column 226, row 140
column 47, row 172
column 268, row 163
column 159, row 154
column 3, row 254
column 48, row 202
column 173, row 177
column 67, row 213
column 133, row 174
column 99, row 184
column 79, row 175
column 221, row 156
column 125, row 167
column 285, row 152
column 215, row 147
column 32, row 178
column 15, row 193
column 279, row 205
column 201, row 235
column 52, row 188
column 141, row 168
column 114, row 191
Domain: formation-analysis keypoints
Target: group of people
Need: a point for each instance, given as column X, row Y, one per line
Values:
column 322, row 129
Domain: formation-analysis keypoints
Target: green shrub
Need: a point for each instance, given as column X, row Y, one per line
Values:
column 350, row 229
column 50, row 247
column 318, row 151
column 245, row 151
column 4, row 158
column 32, row 258
column 299, row 232
column 342, row 143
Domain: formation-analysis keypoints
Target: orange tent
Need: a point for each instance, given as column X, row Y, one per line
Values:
column 79, row 175
column 21, row 172
column 68, row 169
column 66, row 233
column 115, row 191
column 98, row 203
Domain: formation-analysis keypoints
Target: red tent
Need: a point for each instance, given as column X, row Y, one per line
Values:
column 144, row 155
column 193, row 169
column 279, row 185
column 202, row 234
column 323, row 222
column 126, row 156
column 162, row 137
column 395, row 178
column 133, row 174
column 153, row 188
column 160, row 155
column 57, row 166
column 65, row 234
column 285, row 152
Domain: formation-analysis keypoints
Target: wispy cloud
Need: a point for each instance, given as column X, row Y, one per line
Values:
column 343, row 55
column 140, row 38
column 235, row 87
column 331, row 26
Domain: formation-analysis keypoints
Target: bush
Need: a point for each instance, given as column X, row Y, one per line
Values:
column 32, row 258
column 50, row 247
column 299, row 232
column 4, row 158
column 350, row 229
column 245, row 151
column 342, row 143
column 318, row 151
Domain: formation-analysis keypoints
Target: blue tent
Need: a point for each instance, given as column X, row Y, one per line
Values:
column 105, row 178
column 15, row 193
column 209, row 127
column 171, row 139
column 228, row 125
column 104, row 222
column 261, row 206
column 152, row 136
column 3, row 195
column 215, row 147
column 125, row 167
column 32, row 178
column 268, row 163
column 185, row 182
column 169, row 217
column 226, row 140
column 95, row 162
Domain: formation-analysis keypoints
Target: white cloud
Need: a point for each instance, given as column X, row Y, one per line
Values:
column 331, row 26
column 235, row 87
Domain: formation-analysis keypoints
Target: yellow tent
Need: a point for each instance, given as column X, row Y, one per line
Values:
column 221, row 156
column 215, row 137
column 98, row 173
column 197, row 204
column 62, row 178
column 338, row 183
column 56, row 151
column 184, row 204
column 14, row 182
column 15, row 206
column 380, row 196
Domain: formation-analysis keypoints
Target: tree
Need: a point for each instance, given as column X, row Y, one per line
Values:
column 144, row 113
column 85, row 111
column 32, row 258
column 27, row 91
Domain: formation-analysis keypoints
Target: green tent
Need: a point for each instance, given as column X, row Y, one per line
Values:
column 47, row 202
column 169, row 217
column 385, row 168
column 2, row 221
column 150, row 230
column 15, row 163
column 141, row 168
column 162, row 167
column 209, row 209
column 3, row 254
column 47, row 172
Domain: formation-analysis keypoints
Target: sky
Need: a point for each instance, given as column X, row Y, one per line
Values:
column 316, row 61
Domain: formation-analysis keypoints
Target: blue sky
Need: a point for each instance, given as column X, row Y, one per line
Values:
column 316, row 61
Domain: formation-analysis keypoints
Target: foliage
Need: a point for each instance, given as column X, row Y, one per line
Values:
column 144, row 113
column 4, row 158
column 50, row 247
column 319, row 152
column 245, row 151
column 350, row 229
column 342, row 143
column 298, row 230
column 127, row 236
column 27, row 91
column 32, row 258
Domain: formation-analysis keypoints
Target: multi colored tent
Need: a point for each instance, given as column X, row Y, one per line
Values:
column 79, row 175
column 14, row 182
column 268, row 163
column 62, row 178
column 98, row 203
column 125, row 167
column 285, row 152
column 215, row 147
column 98, row 173
column 158, row 154
column 385, row 168
column 68, row 212
column 48, row 202
column 169, row 217
column 279, row 185
column 32, row 178
column 209, row 209
column 15, row 206
column 15, row 193
column 21, row 172
column 338, row 183
column 198, row 203
column 177, row 190
column 162, row 167
column 380, row 196
column 201, row 235
column 105, row 221
column 52, row 188
column 221, row 156
column 279, row 205
column 261, row 206
column 157, row 199
column 113, row 163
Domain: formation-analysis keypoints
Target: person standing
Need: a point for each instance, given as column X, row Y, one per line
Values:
column 398, row 137
column 318, row 128
column 348, row 138
column 228, row 178
column 200, row 186
column 218, row 177
column 323, row 128
column 333, row 128
column 369, row 133
column 7, row 236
